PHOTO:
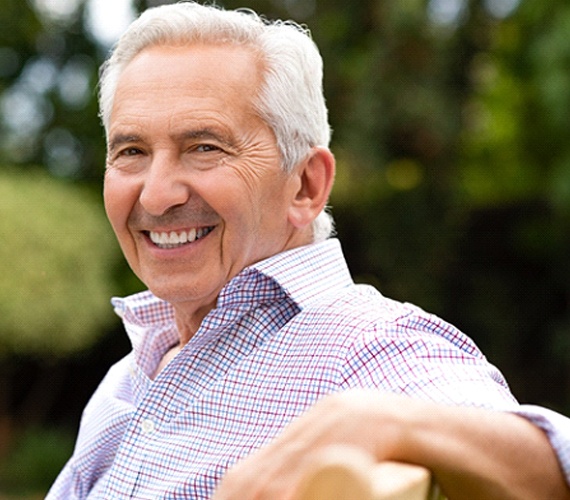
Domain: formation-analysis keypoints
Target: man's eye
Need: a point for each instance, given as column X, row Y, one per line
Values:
column 206, row 148
column 130, row 152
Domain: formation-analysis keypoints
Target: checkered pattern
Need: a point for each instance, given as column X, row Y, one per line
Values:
column 285, row 332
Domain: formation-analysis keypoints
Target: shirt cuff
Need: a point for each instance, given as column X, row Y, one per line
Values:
column 557, row 429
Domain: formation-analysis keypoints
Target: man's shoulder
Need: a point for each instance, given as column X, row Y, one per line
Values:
column 364, row 304
column 362, row 313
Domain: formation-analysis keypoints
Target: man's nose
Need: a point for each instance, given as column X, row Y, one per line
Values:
column 166, row 185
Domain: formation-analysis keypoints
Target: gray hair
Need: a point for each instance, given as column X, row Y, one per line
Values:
column 290, row 99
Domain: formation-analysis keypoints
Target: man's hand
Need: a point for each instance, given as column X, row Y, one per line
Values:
column 344, row 418
column 473, row 453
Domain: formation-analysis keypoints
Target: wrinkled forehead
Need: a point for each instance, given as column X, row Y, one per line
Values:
column 181, row 54
column 186, row 88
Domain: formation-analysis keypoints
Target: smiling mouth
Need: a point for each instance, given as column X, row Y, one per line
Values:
column 175, row 239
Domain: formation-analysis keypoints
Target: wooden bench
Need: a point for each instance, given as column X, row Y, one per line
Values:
column 345, row 473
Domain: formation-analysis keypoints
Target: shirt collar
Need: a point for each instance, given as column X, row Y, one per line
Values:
column 306, row 273
column 303, row 274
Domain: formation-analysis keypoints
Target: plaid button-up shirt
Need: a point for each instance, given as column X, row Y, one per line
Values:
column 285, row 332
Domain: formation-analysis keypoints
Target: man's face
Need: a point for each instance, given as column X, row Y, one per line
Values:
column 194, row 189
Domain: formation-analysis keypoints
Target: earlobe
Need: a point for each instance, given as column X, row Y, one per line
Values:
column 316, row 176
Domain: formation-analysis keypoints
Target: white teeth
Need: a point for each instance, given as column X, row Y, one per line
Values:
column 173, row 239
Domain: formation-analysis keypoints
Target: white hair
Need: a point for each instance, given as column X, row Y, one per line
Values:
column 290, row 99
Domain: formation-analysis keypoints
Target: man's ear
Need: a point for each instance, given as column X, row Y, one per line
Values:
column 316, row 177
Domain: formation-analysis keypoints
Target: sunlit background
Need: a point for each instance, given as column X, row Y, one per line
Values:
column 25, row 106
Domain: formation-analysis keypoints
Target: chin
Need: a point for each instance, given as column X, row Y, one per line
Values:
column 183, row 293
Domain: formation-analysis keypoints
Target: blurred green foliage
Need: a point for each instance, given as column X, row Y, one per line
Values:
column 451, row 121
column 34, row 462
column 56, row 264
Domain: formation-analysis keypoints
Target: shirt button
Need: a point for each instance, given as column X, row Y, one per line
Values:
column 147, row 426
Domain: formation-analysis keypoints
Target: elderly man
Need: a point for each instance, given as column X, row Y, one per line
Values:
column 253, row 345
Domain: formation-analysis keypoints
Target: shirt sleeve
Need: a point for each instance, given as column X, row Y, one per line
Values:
column 422, row 356
column 435, row 361
column 62, row 488
column 557, row 429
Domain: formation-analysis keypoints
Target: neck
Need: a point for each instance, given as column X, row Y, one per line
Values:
column 188, row 323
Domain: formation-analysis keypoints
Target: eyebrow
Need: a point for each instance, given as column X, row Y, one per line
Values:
column 119, row 139
column 206, row 133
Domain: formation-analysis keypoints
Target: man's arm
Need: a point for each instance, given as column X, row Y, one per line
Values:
column 473, row 453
